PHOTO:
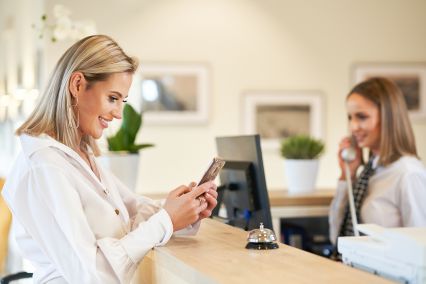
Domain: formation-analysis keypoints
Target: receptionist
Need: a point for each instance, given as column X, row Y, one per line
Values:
column 391, row 189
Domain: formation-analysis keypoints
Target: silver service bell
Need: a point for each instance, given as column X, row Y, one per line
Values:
column 261, row 239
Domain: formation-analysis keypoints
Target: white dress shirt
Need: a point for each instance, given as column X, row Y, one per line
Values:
column 396, row 197
column 72, row 226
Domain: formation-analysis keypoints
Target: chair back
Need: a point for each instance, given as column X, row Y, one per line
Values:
column 5, row 221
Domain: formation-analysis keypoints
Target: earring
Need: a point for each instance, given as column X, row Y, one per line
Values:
column 72, row 121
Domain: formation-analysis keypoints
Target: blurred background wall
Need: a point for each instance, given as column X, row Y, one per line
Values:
column 247, row 45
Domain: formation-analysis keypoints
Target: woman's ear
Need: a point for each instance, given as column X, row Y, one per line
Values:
column 77, row 84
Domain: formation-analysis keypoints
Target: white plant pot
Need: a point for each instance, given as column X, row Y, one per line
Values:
column 301, row 175
column 123, row 165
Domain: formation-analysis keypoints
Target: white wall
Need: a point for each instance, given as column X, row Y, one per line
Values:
column 17, row 68
column 255, row 45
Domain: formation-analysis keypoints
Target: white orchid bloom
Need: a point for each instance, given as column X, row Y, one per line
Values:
column 89, row 28
column 62, row 29
column 82, row 29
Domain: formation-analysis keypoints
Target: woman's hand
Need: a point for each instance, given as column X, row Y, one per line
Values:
column 354, row 165
column 184, row 207
column 210, row 197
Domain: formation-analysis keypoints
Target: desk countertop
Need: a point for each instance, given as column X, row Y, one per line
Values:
column 217, row 255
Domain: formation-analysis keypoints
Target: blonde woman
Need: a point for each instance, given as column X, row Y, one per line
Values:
column 75, row 221
column 391, row 189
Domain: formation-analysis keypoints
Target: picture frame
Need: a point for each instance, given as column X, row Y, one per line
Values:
column 172, row 93
column 410, row 77
column 280, row 114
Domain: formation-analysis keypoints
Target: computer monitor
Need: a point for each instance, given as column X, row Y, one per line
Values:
column 242, row 188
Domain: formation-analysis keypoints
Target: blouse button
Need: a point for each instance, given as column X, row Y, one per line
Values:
column 117, row 211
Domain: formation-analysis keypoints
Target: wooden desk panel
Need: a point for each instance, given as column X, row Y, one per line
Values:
column 316, row 198
column 217, row 255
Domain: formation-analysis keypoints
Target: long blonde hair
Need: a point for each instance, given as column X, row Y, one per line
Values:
column 396, row 136
column 96, row 57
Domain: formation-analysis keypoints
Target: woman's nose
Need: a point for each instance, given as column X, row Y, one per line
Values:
column 117, row 112
column 353, row 125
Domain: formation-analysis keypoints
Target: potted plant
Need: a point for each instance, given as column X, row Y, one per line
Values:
column 124, row 139
column 301, row 153
column 123, row 156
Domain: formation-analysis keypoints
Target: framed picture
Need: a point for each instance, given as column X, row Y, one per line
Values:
column 411, row 78
column 172, row 94
column 277, row 115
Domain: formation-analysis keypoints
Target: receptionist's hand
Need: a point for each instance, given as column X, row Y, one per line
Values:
column 354, row 165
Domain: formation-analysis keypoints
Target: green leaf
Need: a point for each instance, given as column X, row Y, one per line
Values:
column 131, row 123
column 136, row 148
column 124, row 139
column 301, row 147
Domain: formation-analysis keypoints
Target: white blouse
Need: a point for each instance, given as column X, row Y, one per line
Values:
column 74, row 227
column 396, row 197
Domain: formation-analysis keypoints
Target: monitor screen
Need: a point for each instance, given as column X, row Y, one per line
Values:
column 242, row 189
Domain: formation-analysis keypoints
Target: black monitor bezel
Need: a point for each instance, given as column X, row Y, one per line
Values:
column 247, row 148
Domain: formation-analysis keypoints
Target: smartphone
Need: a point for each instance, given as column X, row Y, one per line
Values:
column 213, row 170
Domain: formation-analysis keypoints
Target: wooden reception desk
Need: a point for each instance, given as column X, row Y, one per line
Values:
column 319, row 197
column 284, row 204
column 217, row 255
